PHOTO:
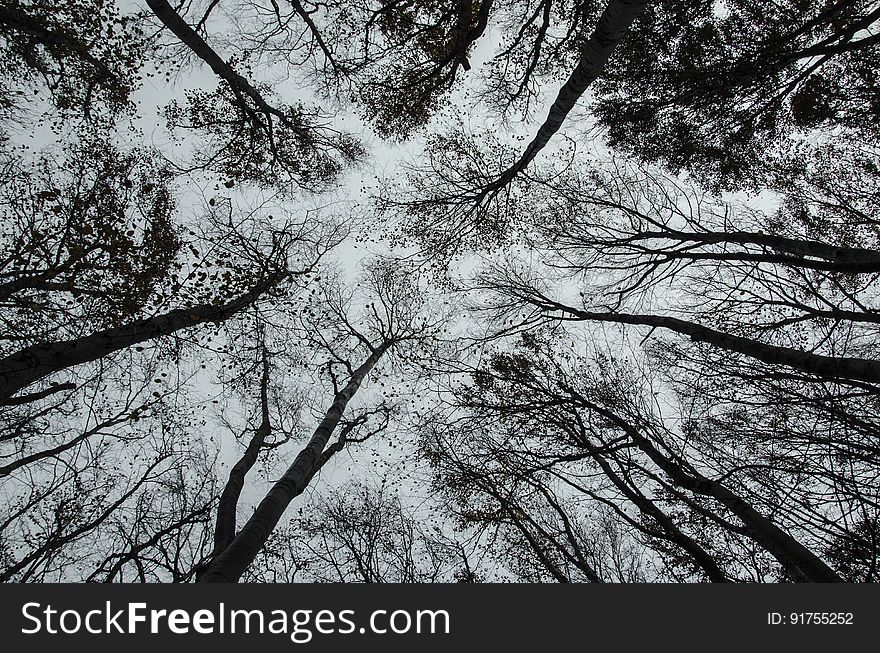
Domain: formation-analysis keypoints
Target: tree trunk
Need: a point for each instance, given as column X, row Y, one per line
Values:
column 224, row 531
column 466, row 35
column 797, row 559
column 241, row 552
column 827, row 367
column 673, row 533
column 842, row 259
column 615, row 20
column 190, row 38
column 33, row 363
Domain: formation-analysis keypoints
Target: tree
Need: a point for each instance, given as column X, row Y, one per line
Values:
column 432, row 41
column 710, row 91
column 779, row 329
column 776, row 292
column 466, row 197
column 137, row 485
column 90, row 289
column 64, row 259
column 83, row 54
column 263, row 143
column 570, row 354
column 396, row 60
column 394, row 320
column 568, row 420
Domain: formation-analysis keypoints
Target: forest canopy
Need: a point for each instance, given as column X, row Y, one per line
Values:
column 439, row 291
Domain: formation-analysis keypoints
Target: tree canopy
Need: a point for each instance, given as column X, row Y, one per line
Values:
column 444, row 291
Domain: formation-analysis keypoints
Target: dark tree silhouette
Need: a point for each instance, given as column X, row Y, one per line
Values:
column 393, row 321
column 565, row 420
column 262, row 143
column 711, row 91
column 85, row 55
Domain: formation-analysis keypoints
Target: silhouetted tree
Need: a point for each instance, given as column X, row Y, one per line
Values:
column 249, row 138
column 396, row 319
column 710, row 89
column 85, row 55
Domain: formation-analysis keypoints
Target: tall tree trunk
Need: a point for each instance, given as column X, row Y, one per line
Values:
column 241, row 552
column 674, row 534
column 224, row 531
column 190, row 38
column 841, row 259
column 827, row 367
column 797, row 559
column 615, row 20
column 33, row 363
